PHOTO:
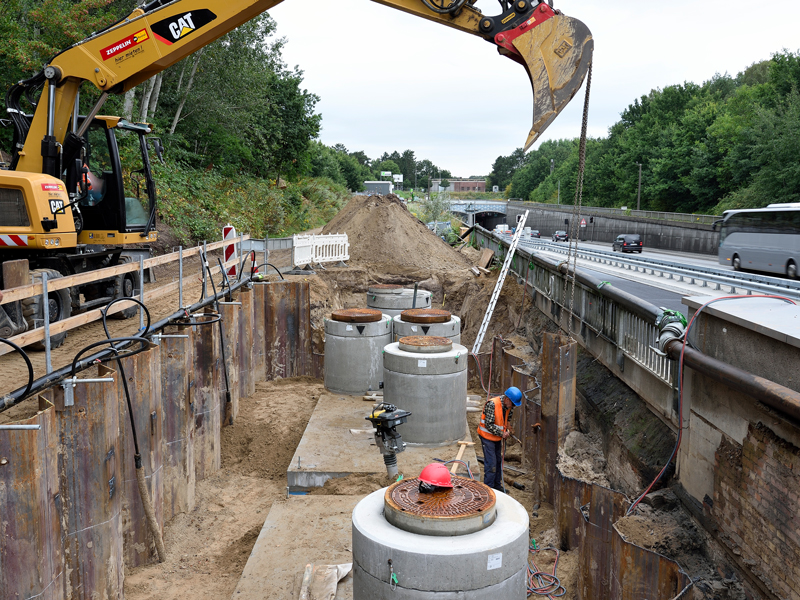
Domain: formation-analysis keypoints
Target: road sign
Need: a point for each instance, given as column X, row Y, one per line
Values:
column 583, row 222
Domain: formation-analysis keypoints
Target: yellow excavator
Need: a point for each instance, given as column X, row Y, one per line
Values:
column 68, row 205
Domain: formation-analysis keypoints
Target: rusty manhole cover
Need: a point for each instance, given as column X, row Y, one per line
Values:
column 468, row 507
column 357, row 315
column 427, row 344
column 425, row 315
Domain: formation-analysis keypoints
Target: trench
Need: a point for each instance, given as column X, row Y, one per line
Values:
column 215, row 468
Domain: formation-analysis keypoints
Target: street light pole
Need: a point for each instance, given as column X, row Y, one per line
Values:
column 639, row 195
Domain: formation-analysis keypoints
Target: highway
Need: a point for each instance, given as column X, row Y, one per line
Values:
column 656, row 290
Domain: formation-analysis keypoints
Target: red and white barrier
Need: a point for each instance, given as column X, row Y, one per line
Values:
column 229, row 233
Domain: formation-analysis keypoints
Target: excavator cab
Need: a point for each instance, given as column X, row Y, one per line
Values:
column 118, row 196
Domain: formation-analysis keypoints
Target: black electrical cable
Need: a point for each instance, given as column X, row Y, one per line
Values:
column 104, row 311
column 116, row 356
column 228, row 397
column 266, row 264
column 27, row 360
column 226, row 283
column 58, row 375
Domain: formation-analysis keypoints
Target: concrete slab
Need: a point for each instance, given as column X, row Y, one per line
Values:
column 299, row 530
column 770, row 317
column 329, row 449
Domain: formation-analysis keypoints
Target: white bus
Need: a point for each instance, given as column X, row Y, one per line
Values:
column 763, row 239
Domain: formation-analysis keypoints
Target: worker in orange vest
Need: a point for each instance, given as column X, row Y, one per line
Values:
column 494, row 428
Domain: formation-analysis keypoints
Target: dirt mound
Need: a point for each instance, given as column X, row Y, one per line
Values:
column 383, row 233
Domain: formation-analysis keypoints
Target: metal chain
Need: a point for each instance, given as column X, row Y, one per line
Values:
column 576, row 206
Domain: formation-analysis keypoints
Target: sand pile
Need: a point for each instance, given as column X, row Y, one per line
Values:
column 384, row 234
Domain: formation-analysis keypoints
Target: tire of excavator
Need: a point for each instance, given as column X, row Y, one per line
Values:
column 125, row 285
column 60, row 308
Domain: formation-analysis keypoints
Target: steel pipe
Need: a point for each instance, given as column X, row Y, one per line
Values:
column 768, row 392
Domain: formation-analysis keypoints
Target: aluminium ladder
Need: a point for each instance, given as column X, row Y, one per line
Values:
column 499, row 286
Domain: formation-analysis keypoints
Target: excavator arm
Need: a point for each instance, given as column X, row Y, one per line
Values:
column 555, row 50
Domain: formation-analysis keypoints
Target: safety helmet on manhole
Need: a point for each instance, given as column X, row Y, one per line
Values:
column 433, row 476
column 514, row 395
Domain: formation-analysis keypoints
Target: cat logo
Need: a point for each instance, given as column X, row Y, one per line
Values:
column 178, row 27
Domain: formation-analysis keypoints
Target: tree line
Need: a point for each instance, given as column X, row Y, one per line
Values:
column 352, row 169
column 730, row 142
column 233, row 107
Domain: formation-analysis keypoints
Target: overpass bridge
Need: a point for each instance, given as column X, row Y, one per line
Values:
column 486, row 213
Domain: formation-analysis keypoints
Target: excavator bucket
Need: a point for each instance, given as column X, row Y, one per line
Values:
column 557, row 54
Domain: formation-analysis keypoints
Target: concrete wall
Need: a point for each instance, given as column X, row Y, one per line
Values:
column 683, row 237
column 739, row 461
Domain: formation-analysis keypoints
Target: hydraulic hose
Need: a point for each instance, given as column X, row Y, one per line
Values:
column 27, row 360
column 228, row 397
column 266, row 264
column 144, row 494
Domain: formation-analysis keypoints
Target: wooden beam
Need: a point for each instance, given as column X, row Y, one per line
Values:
column 26, row 291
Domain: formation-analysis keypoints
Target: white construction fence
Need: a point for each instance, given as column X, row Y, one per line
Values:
column 309, row 249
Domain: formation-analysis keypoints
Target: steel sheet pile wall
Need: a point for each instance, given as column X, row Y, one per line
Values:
column 247, row 382
column 585, row 513
column 231, row 315
column 143, row 374
column 259, row 331
column 176, row 378
column 288, row 326
column 207, row 362
column 89, row 470
column 72, row 518
column 31, row 561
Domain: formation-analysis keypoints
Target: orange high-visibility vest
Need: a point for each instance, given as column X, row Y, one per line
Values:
column 498, row 420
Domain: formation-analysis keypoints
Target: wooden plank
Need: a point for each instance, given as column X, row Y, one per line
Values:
column 486, row 257
column 16, row 273
column 36, row 335
column 26, row 291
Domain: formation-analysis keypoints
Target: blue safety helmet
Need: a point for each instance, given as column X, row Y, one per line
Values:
column 514, row 395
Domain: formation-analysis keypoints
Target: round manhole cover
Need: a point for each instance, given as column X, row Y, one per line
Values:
column 426, row 344
column 467, row 507
column 357, row 315
column 425, row 315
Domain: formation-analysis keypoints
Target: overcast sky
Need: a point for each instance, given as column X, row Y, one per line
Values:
column 391, row 81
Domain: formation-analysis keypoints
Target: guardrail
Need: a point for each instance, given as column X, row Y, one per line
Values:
column 734, row 281
column 616, row 327
column 642, row 214
column 309, row 249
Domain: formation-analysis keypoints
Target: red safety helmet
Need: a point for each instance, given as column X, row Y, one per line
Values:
column 436, row 474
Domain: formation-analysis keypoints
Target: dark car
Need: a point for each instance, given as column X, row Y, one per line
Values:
column 560, row 236
column 628, row 242
column 535, row 233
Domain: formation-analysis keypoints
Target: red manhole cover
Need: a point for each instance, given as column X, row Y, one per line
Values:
column 357, row 315
column 425, row 315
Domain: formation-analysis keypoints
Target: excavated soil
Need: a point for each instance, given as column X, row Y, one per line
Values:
column 208, row 547
column 385, row 235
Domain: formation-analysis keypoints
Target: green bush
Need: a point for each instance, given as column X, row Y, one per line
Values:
column 195, row 204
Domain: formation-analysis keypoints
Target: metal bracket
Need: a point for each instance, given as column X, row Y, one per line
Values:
column 19, row 427
column 69, row 384
column 156, row 339
column 230, row 303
